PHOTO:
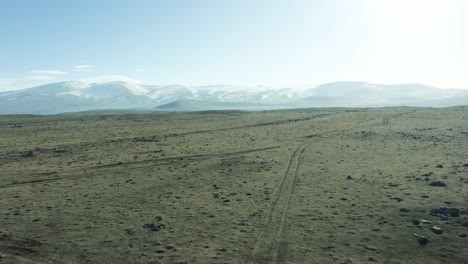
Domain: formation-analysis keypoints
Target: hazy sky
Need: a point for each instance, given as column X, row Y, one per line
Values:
column 270, row 42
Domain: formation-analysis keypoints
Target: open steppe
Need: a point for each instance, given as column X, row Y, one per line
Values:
column 292, row 186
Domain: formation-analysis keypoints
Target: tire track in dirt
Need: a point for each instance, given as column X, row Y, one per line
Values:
column 272, row 244
column 69, row 175
column 269, row 245
column 157, row 138
column 280, row 251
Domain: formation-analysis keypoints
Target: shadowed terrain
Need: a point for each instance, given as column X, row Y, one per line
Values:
column 331, row 185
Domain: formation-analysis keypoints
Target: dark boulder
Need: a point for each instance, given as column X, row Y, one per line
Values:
column 423, row 241
column 438, row 184
column 455, row 212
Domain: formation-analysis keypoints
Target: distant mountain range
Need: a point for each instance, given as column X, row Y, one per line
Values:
column 76, row 96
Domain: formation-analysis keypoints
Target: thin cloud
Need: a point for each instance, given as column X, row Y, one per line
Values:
column 82, row 68
column 49, row 72
column 6, row 82
column 41, row 78
column 110, row 78
column 139, row 70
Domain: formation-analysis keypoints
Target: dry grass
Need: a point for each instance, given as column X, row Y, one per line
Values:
column 233, row 187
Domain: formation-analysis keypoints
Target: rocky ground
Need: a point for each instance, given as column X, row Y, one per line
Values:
column 295, row 186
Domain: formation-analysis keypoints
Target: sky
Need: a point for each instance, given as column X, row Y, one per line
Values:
column 239, row 42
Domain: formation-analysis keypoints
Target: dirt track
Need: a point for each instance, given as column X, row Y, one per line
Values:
column 296, row 186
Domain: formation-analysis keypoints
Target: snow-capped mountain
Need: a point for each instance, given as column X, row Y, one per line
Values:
column 105, row 93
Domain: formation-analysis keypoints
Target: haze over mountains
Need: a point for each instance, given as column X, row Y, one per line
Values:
column 75, row 96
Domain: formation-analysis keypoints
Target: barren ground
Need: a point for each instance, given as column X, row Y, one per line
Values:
column 297, row 186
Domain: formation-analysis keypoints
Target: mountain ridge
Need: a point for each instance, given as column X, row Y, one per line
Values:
column 88, row 95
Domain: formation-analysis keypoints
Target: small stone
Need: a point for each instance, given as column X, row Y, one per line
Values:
column 130, row 231
column 404, row 210
column 154, row 227
column 349, row 177
column 423, row 241
column 465, row 224
column 28, row 154
column 440, row 166
column 371, row 248
column 346, row 261
column 415, row 221
column 438, row 184
column 443, row 218
column 437, row 230
column 427, row 222
column 463, row 235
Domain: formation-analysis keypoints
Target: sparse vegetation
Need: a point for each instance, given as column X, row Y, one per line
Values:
column 293, row 186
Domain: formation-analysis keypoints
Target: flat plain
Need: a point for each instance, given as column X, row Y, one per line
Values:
column 329, row 185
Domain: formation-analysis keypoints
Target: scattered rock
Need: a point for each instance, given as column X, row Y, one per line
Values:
column 423, row 241
column 404, row 210
column 154, row 227
column 427, row 222
column 393, row 184
column 130, row 231
column 455, row 212
column 465, row 224
column 346, row 261
column 349, row 178
column 371, row 248
column 438, row 184
column 415, row 221
column 443, row 218
column 27, row 154
column 437, row 230
column 440, row 166
column 463, row 235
